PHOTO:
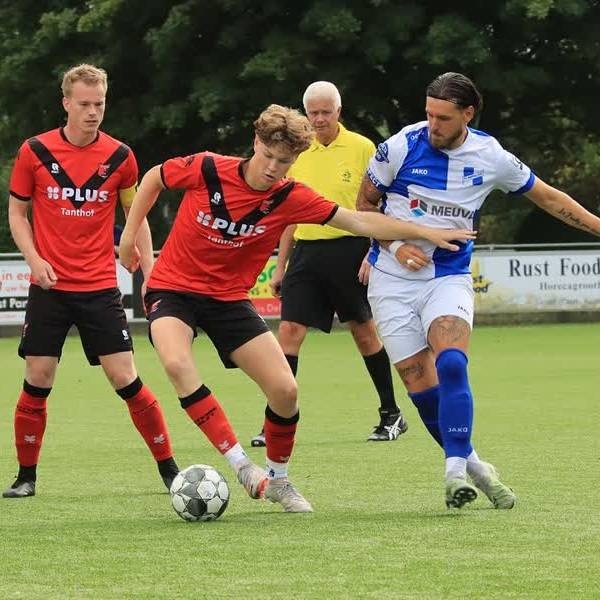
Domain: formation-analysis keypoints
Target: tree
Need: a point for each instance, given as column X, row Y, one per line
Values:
column 193, row 74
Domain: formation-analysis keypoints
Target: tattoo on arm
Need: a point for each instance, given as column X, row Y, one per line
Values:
column 368, row 196
column 571, row 219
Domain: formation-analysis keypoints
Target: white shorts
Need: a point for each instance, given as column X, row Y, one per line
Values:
column 404, row 309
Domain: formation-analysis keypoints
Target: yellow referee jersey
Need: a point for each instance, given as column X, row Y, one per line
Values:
column 335, row 171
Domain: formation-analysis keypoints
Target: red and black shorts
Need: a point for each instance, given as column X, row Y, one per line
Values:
column 99, row 317
column 322, row 279
column 228, row 324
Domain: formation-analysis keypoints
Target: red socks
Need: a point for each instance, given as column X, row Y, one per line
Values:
column 280, row 435
column 148, row 418
column 30, row 423
column 204, row 409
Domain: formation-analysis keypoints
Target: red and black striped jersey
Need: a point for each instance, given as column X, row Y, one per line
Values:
column 74, row 191
column 225, row 231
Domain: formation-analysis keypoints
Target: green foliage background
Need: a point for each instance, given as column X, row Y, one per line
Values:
column 192, row 75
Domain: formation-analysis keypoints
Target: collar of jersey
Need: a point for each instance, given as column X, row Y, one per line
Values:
column 66, row 139
column 340, row 140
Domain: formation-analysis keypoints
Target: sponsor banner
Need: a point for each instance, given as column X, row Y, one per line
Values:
column 14, row 289
column 503, row 282
column 536, row 281
column 513, row 281
column 266, row 304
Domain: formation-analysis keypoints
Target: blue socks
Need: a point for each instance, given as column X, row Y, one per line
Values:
column 456, row 403
column 427, row 403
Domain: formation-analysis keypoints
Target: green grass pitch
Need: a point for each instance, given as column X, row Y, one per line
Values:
column 102, row 526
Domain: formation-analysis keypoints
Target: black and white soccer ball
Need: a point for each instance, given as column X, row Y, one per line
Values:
column 199, row 493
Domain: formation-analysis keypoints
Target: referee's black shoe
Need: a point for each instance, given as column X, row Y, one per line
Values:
column 21, row 488
column 391, row 425
column 258, row 441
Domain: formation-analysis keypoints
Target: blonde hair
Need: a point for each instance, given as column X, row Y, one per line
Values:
column 322, row 89
column 282, row 125
column 88, row 74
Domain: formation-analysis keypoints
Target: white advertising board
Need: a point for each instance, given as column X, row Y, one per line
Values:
column 14, row 288
column 531, row 281
column 504, row 282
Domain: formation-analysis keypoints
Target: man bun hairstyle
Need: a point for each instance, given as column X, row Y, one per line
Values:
column 282, row 125
column 456, row 88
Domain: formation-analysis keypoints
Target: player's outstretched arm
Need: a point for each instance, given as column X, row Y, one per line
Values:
column 145, row 197
column 368, row 224
column 20, row 228
column 563, row 207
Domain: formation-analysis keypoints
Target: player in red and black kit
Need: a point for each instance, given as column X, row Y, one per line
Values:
column 230, row 220
column 73, row 178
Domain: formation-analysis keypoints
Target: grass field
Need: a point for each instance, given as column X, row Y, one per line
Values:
column 101, row 525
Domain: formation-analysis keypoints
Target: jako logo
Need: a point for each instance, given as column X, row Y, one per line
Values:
column 419, row 171
column 417, row 207
column 77, row 194
column 229, row 227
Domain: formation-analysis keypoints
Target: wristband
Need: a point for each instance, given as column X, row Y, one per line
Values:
column 393, row 247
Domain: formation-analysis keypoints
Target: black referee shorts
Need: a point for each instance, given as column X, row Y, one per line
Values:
column 229, row 325
column 99, row 317
column 322, row 279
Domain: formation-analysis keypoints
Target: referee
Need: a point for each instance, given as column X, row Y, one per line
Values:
column 322, row 274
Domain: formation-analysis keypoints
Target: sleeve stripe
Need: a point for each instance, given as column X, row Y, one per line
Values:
column 331, row 214
column 162, row 177
column 19, row 197
column 380, row 186
column 525, row 188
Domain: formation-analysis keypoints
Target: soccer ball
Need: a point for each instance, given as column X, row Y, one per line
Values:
column 199, row 493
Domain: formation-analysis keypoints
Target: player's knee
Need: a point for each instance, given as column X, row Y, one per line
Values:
column 120, row 374
column 176, row 366
column 41, row 376
column 285, row 391
column 291, row 333
column 451, row 365
column 121, row 380
column 366, row 341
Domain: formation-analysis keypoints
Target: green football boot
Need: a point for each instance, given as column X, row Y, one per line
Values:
column 500, row 495
column 459, row 492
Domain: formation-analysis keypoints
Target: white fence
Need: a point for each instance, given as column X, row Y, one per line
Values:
column 536, row 278
column 14, row 288
column 507, row 279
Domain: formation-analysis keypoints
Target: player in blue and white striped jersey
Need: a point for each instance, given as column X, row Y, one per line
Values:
column 438, row 173
column 440, row 188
